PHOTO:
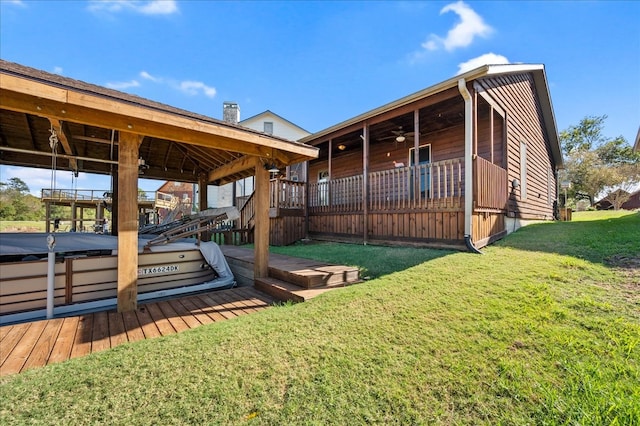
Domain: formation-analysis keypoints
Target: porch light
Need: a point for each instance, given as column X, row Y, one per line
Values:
column 271, row 168
column 342, row 147
column 400, row 138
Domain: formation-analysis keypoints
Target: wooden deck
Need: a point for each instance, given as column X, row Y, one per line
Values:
column 36, row 344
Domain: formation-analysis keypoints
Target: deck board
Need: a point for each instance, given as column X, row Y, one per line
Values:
column 64, row 342
column 147, row 324
column 117, row 334
column 42, row 349
column 35, row 344
column 100, row 340
column 18, row 356
column 132, row 326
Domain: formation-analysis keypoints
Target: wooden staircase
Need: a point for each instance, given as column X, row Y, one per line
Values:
column 290, row 279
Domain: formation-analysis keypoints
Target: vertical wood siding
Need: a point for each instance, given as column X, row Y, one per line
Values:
column 516, row 94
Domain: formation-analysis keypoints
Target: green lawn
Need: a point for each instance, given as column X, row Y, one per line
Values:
column 544, row 328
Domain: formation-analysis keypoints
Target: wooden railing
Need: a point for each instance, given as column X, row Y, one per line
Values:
column 490, row 189
column 286, row 194
column 96, row 195
column 339, row 195
column 74, row 194
column 437, row 185
column 247, row 213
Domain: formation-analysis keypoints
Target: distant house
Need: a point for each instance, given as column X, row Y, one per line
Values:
column 273, row 124
column 632, row 203
column 174, row 200
column 267, row 122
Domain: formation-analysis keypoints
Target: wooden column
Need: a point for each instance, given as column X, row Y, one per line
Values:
column 74, row 214
column 203, row 200
column 261, row 232
column 306, row 198
column 128, row 221
column 329, row 167
column 47, row 210
column 114, row 202
column 365, row 181
column 416, row 159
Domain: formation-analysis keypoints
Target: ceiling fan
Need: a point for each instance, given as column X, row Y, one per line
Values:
column 399, row 136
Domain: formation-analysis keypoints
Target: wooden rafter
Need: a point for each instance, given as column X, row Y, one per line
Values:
column 236, row 166
column 57, row 126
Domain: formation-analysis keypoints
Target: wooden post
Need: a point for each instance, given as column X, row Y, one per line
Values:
column 329, row 167
column 128, row 221
column 47, row 210
column 261, row 247
column 203, row 202
column 74, row 214
column 114, row 202
column 306, row 198
column 365, row 181
column 417, row 189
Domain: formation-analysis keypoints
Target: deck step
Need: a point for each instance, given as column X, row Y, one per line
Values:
column 314, row 276
column 286, row 291
column 281, row 290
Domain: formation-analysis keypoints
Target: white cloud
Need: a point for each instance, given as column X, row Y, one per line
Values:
column 122, row 85
column 189, row 87
column 148, row 76
column 57, row 70
column 195, row 87
column 153, row 7
column 159, row 7
column 37, row 179
column 486, row 59
column 471, row 25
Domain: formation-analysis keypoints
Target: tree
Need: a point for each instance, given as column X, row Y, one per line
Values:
column 17, row 204
column 595, row 163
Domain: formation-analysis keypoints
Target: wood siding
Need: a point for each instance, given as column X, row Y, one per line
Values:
column 487, row 227
column 516, row 94
column 441, row 227
column 286, row 230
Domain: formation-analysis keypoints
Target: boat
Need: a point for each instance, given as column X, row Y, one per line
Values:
column 170, row 262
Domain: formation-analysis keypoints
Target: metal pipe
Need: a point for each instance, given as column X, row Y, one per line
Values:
column 50, row 154
column 468, row 164
column 51, row 274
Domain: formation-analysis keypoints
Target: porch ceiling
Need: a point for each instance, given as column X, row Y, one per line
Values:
column 176, row 145
column 433, row 119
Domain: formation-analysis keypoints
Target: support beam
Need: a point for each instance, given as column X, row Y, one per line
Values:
column 128, row 221
column 261, row 248
column 236, row 166
column 64, row 141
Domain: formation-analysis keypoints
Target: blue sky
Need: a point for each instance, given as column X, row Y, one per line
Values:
column 319, row 63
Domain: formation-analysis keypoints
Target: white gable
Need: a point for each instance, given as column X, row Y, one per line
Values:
column 281, row 127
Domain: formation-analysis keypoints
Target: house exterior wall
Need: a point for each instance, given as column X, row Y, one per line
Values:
column 525, row 124
column 281, row 127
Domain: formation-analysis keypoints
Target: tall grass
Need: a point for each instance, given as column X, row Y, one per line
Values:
column 541, row 329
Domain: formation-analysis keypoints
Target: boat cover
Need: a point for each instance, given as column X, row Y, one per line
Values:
column 27, row 243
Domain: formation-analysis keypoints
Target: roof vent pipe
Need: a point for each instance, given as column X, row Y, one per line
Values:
column 468, row 164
